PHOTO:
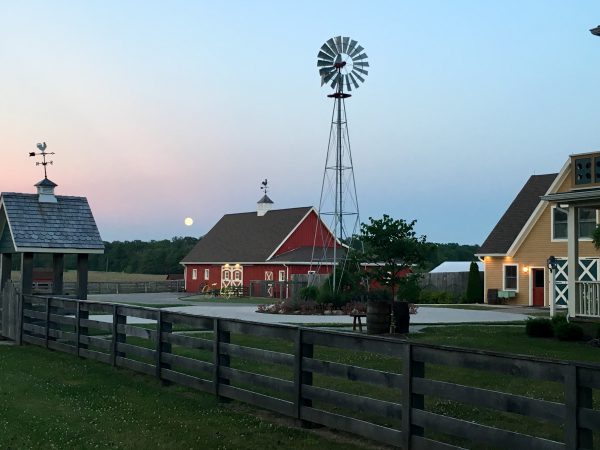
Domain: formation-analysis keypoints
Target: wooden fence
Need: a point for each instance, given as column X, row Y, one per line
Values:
column 292, row 375
column 454, row 283
column 121, row 287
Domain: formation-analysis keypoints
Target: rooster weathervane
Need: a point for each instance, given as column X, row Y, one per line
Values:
column 42, row 148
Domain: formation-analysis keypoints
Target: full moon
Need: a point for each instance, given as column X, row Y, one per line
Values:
column 188, row 221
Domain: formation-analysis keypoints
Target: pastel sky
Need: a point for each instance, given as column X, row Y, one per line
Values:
column 158, row 111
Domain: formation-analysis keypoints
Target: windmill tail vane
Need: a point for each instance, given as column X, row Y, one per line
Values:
column 42, row 152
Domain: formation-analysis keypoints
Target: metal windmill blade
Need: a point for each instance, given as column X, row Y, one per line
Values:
column 344, row 57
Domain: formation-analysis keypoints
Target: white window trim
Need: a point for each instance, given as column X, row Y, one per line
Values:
column 504, row 288
column 581, row 239
column 206, row 274
column 282, row 275
column 311, row 272
column 194, row 274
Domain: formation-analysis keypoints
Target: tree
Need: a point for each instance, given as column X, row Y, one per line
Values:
column 392, row 247
column 474, row 288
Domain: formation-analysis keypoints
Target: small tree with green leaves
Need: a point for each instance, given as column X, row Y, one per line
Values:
column 474, row 288
column 391, row 247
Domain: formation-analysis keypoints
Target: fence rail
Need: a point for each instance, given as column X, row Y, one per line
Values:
column 587, row 298
column 290, row 375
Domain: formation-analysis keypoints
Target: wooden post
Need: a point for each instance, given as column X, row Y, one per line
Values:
column 576, row 397
column 58, row 267
column 301, row 377
column 81, row 330
column 410, row 369
column 26, row 273
column 117, row 337
column 162, row 326
column 82, row 276
column 47, row 333
column 572, row 257
column 220, row 360
column 5, row 268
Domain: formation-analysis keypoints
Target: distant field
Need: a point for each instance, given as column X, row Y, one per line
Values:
column 71, row 275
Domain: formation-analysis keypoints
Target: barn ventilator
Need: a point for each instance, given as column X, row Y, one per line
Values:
column 342, row 64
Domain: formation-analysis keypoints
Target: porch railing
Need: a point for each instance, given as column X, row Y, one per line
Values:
column 587, row 299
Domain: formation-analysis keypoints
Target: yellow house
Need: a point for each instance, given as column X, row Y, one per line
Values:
column 517, row 251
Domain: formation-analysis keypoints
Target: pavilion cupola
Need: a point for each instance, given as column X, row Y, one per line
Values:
column 264, row 205
column 45, row 190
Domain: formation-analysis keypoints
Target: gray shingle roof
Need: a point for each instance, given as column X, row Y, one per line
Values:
column 514, row 219
column 246, row 237
column 66, row 224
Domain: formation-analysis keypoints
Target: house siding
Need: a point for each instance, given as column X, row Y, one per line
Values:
column 534, row 252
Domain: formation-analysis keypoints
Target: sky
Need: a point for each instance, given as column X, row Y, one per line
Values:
column 158, row 111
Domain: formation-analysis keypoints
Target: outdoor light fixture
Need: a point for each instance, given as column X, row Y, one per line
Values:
column 551, row 264
column 525, row 269
column 595, row 31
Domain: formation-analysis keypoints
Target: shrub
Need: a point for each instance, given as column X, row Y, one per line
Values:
column 539, row 327
column 380, row 295
column 598, row 332
column 558, row 320
column 474, row 288
column 408, row 288
column 309, row 293
column 568, row 332
column 435, row 297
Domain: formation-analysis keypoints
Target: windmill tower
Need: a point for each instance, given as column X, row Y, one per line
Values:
column 343, row 65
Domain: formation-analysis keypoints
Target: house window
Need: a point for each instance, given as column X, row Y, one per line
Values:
column 511, row 282
column 194, row 274
column 206, row 274
column 587, row 222
column 282, row 275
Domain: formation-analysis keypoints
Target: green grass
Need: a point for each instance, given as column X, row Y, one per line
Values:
column 54, row 400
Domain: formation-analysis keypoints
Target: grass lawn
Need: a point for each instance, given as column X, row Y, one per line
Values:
column 54, row 400
column 71, row 276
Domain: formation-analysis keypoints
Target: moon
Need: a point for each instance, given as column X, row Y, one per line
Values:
column 188, row 221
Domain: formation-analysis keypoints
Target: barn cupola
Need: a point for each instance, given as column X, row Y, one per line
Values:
column 45, row 190
column 265, row 204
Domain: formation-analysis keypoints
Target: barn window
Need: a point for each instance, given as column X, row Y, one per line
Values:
column 227, row 275
column 282, row 275
column 194, row 274
column 237, row 275
column 206, row 274
column 511, row 281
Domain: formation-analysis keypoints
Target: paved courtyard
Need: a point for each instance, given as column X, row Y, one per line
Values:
column 425, row 316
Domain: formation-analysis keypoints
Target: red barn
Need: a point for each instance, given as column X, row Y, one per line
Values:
column 267, row 245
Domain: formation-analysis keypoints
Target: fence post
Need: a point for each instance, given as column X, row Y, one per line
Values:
column 47, row 331
column 410, row 369
column 301, row 377
column 19, row 318
column 117, row 337
column 219, row 360
column 162, row 347
column 576, row 397
column 77, row 326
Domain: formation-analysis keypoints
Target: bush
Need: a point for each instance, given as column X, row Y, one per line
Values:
column 539, row 327
column 474, row 288
column 308, row 293
column 408, row 288
column 568, row 332
column 380, row 295
column 558, row 320
column 435, row 297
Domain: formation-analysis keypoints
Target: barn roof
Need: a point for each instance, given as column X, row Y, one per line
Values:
column 305, row 255
column 29, row 225
column 246, row 237
column 514, row 219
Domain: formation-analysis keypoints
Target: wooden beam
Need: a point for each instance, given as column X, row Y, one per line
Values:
column 572, row 256
column 26, row 273
column 58, row 267
column 5, row 268
column 82, row 276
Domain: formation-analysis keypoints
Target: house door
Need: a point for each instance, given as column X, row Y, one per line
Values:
column 538, row 287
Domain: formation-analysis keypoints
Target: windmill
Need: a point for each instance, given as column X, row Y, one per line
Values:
column 342, row 64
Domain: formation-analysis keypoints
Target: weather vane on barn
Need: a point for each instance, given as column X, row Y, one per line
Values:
column 264, row 186
column 42, row 148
